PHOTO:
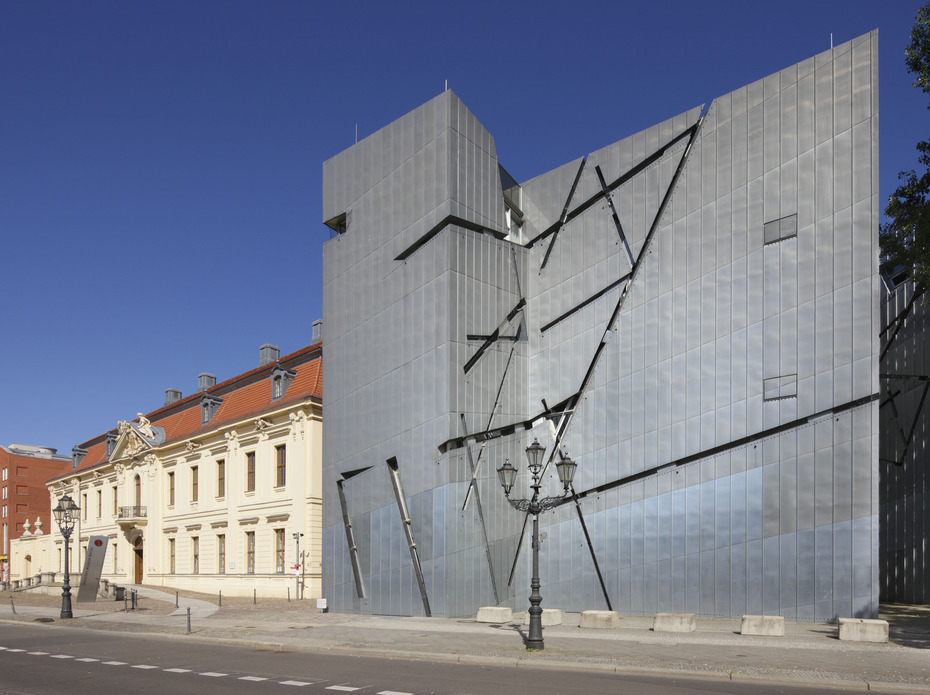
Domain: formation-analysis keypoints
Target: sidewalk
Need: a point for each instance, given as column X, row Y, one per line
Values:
column 808, row 653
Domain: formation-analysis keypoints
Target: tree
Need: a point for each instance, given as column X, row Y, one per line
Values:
column 905, row 238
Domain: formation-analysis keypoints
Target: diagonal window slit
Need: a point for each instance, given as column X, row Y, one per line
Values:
column 613, row 212
column 494, row 337
column 564, row 215
column 350, row 533
column 394, row 471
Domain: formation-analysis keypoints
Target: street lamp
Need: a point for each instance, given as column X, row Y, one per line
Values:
column 66, row 516
column 507, row 474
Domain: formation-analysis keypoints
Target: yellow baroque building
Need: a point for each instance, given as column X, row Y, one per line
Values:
column 216, row 491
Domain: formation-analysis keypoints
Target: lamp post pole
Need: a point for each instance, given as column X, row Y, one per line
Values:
column 507, row 474
column 66, row 516
column 297, row 536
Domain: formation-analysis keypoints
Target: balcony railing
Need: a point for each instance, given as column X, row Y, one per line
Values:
column 136, row 512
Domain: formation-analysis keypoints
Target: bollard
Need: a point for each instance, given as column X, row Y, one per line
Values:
column 175, row 599
column 135, row 599
column 254, row 596
column 221, row 599
column 188, row 620
column 12, row 606
column 125, row 603
column 288, row 594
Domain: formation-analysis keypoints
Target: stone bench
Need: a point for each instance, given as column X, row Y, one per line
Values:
column 494, row 614
column 550, row 616
column 766, row 625
column 863, row 630
column 673, row 622
column 600, row 620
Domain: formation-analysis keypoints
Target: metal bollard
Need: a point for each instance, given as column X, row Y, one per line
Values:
column 125, row 603
column 221, row 599
column 288, row 594
column 175, row 599
column 135, row 599
column 254, row 596
column 188, row 620
column 12, row 606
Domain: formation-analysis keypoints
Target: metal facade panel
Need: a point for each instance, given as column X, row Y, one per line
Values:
column 664, row 365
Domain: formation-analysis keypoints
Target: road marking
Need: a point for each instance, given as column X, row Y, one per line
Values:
column 177, row 670
column 39, row 653
column 87, row 659
column 13, row 651
column 114, row 663
column 393, row 692
column 300, row 683
column 213, row 674
column 62, row 656
column 252, row 678
column 343, row 688
column 144, row 666
column 2, row 649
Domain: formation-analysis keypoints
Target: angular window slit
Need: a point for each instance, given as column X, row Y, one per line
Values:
column 780, row 229
column 778, row 387
column 394, row 470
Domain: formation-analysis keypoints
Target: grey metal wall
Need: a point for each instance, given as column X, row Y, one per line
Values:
column 691, row 313
column 905, row 432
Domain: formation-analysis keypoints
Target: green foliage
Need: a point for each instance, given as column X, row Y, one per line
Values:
column 905, row 238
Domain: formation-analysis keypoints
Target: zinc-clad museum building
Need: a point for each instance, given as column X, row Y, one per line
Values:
column 692, row 314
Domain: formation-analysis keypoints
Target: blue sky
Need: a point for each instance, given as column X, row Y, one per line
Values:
column 160, row 162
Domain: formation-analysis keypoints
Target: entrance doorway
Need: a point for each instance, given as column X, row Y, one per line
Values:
column 137, row 550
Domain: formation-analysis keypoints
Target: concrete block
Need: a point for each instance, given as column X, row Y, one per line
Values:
column 600, row 620
column 494, row 614
column 863, row 630
column 767, row 625
column 550, row 616
column 673, row 622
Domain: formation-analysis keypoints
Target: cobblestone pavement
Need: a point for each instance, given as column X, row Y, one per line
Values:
column 809, row 653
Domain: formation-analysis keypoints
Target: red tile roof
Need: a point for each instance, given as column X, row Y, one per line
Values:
column 244, row 395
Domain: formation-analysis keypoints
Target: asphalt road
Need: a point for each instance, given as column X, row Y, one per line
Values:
column 36, row 660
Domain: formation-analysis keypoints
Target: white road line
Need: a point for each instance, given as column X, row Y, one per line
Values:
column 62, row 656
column 300, row 683
column 14, row 651
column 177, row 670
column 87, row 659
column 343, row 688
column 2, row 649
column 252, row 678
column 213, row 674
column 114, row 663
column 393, row 692
column 39, row 653
column 143, row 666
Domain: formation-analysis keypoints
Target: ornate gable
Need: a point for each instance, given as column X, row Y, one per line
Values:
column 136, row 439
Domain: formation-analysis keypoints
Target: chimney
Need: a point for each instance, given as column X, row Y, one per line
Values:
column 205, row 381
column 267, row 354
column 172, row 396
column 317, row 335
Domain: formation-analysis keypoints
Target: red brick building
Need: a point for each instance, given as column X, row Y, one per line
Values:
column 23, row 493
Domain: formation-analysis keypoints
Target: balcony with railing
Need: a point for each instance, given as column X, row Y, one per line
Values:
column 132, row 516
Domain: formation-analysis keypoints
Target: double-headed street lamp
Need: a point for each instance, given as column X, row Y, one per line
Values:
column 66, row 515
column 535, row 505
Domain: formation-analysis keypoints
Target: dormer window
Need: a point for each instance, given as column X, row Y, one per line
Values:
column 281, row 378
column 77, row 455
column 208, row 406
column 111, row 442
